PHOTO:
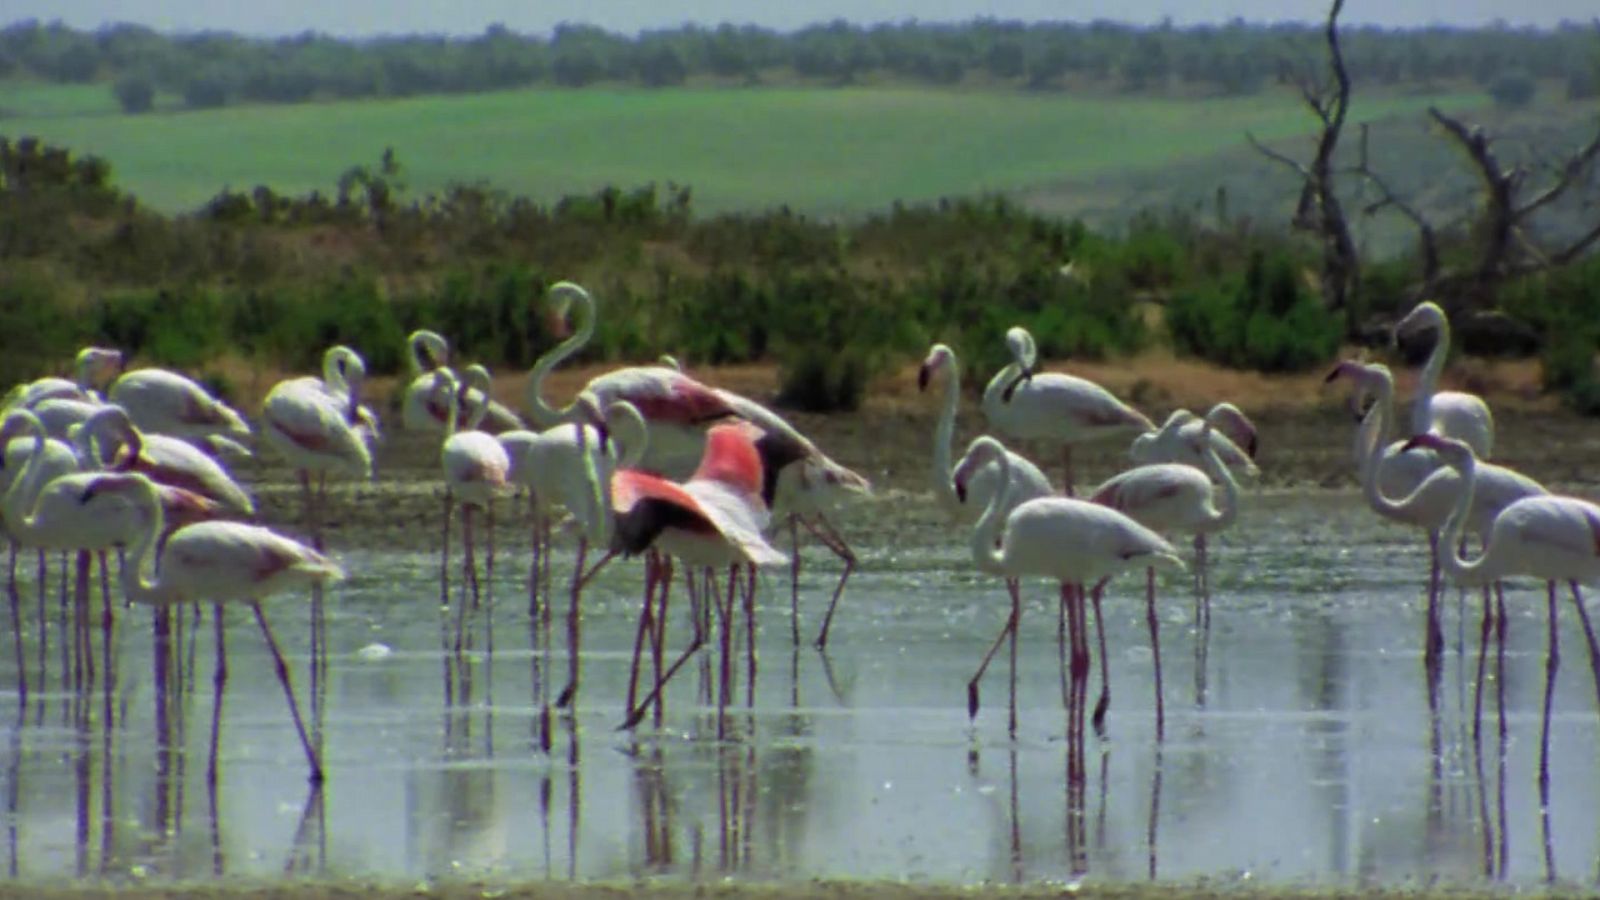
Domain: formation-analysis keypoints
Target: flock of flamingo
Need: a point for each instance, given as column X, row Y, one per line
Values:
column 648, row 461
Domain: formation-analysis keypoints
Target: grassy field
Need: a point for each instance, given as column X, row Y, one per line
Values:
column 824, row 151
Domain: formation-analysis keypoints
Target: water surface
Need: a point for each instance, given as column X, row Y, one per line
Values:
column 1302, row 752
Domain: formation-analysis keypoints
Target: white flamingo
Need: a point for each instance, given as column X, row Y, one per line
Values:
column 1166, row 498
column 1547, row 537
column 421, row 407
column 217, row 562
column 1233, row 436
column 318, row 426
column 1027, row 480
column 475, row 471
column 1428, row 503
column 165, row 402
column 92, row 369
column 1072, row 541
column 1454, row 414
column 1054, row 407
column 567, row 467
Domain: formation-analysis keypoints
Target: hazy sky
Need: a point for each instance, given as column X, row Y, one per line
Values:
column 351, row 17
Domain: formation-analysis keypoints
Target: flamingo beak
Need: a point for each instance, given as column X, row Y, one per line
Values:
column 1334, row 375
column 1421, row 440
column 961, row 490
column 924, row 373
column 1026, row 376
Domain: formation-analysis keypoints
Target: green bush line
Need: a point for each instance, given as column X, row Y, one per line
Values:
column 275, row 279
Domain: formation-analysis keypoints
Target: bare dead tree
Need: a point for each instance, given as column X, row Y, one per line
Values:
column 1388, row 198
column 1507, row 247
column 1319, row 211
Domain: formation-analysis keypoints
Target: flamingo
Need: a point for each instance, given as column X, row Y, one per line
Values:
column 110, row 434
column 1233, row 436
column 43, row 507
column 162, row 401
column 676, row 407
column 93, row 367
column 1072, row 541
column 804, row 486
column 713, row 520
column 1027, row 481
column 1450, row 413
column 423, row 410
column 566, row 466
column 475, row 469
column 1166, row 497
column 1052, row 406
column 217, row 562
column 1553, row 538
column 1428, row 503
column 316, row 424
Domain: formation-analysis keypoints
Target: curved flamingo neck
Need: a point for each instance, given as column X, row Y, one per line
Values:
column 986, row 535
column 1422, row 404
column 943, row 434
column 1230, row 487
column 1374, row 428
column 628, row 428
column 1454, row 564
column 24, row 491
column 544, row 415
column 134, row 583
column 477, row 377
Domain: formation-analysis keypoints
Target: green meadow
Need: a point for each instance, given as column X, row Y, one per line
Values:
column 820, row 150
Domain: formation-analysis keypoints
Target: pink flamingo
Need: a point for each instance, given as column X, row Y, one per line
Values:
column 1072, row 541
column 475, row 469
column 217, row 562
column 1450, row 413
column 803, row 487
column 710, row 522
column 1548, row 537
column 44, row 507
column 110, row 437
column 1165, row 497
column 1063, row 409
column 164, row 402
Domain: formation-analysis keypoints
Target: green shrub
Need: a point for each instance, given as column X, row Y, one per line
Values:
column 1264, row 320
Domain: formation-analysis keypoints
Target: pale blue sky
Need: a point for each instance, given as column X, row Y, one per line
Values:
column 366, row 17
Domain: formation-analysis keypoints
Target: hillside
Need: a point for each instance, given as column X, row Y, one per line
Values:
column 827, row 151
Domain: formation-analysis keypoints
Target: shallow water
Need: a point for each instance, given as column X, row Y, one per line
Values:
column 1302, row 753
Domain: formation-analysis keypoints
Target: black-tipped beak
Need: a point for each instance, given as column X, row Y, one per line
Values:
column 961, row 491
column 1334, row 375
column 605, row 437
column 1027, row 375
column 922, row 377
column 1413, row 443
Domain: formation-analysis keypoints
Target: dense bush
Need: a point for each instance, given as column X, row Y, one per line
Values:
column 1264, row 320
column 1564, row 307
column 135, row 93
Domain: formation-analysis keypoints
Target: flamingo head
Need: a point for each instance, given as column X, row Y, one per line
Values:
column 1450, row 450
column 1424, row 316
column 586, row 411
column 125, row 483
column 562, row 294
column 939, row 356
column 17, row 423
column 1232, row 421
column 97, row 365
column 429, row 350
column 981, row 451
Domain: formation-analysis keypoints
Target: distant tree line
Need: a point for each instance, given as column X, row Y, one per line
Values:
column 211, row 69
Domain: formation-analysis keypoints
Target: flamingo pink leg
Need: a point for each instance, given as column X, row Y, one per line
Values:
column 1588, row 635
column 569, row 693
column 1552, row 662
column 219, row 679
column 288, row 691
column 1010, row 627
column 15, row 597
column 830, row 538
column 1104, row 703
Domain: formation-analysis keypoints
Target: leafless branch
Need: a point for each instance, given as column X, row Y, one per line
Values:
column 1426, row 234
